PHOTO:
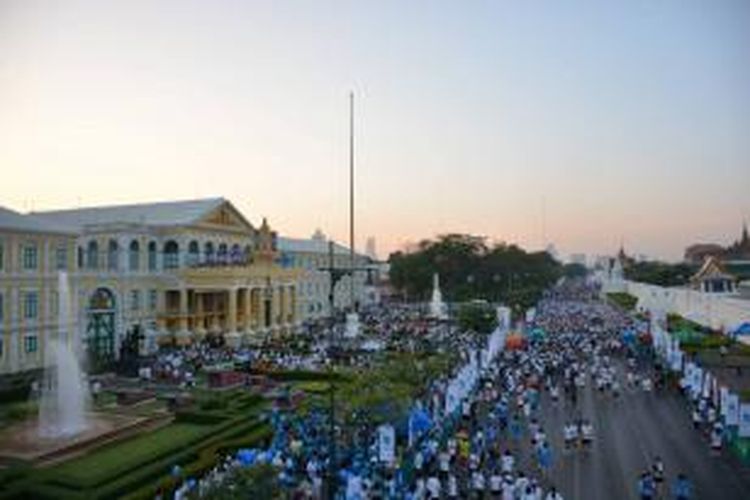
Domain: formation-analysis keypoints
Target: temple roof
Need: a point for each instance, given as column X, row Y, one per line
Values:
column 711, row 269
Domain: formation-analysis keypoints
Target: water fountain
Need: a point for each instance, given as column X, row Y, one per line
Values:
column 64, row 426
column 437, row 306
column 65, row 394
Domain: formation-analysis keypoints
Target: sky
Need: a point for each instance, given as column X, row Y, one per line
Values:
column 582, row 123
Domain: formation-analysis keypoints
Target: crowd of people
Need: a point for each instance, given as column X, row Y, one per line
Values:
column 495, row 444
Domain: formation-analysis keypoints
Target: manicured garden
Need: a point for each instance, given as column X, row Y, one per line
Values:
column 141, row 466
column 623, row 300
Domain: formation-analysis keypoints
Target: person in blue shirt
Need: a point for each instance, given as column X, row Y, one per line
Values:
column 646, row 486
column 516, row 431
column 682, row 488
column 544, row 455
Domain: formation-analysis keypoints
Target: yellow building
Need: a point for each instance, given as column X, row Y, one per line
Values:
column 31, row 255
column 170, row 272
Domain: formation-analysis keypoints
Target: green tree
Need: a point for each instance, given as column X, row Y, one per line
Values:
column 470, row 269
column 477, row 316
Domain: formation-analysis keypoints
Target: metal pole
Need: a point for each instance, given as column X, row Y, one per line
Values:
column 351, row 198
column 332, row 400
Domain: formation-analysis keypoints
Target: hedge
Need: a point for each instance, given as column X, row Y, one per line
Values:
column 199, row 417
column 305, row 376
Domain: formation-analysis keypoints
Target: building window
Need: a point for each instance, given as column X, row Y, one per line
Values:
column 171, row 255
column 209, row 252
column 30, row 305
column 113, row 254
column 152, row 300
column 30, row 344
column 135, row 300
column 29, row 257
column 2, row 309
column 80, row 258
column 152, row 256
column 134, row 256
column 2, row 257
column 61, row 257
column 54, row 303
column 221, row 255
column 92, row 255
column 1, row 347
column 194, row 253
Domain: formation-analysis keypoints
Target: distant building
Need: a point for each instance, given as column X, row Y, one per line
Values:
column 370, row 248
column 737, row 251
column 699, row 252
column 578, row 258
column 312, row 256
column 712, row 277
column 170, row 272
column 31, row 255
column 552, row 251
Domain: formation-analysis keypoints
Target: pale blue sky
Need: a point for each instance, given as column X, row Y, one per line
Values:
column 629, row 119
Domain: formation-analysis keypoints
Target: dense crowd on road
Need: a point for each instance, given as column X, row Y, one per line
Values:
column 495, row 444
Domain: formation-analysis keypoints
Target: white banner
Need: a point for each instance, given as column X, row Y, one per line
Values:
column 724, row 396
column 744, row 430
column 387, row 443
column 696, row 384
column 676, row 360
column 733, row 409
column 706, row 392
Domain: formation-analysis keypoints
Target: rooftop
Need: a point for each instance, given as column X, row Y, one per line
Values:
column 168, row 213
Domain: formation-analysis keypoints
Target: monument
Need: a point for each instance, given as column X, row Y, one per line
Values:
column 437, row 306
column 352, row 325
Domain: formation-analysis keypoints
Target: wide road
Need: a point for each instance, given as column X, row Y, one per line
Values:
column 630, row 432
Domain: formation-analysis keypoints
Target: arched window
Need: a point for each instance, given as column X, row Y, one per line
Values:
column 81, row 260
column 236, row 254
column 222, row 253
column 194, row 253
column 134, row 256
column 152, row 262
column 112, row 255
column 208, row 251
column 92, row 255
column 171, row 255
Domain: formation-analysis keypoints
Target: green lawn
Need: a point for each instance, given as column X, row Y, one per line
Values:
column 120, row 458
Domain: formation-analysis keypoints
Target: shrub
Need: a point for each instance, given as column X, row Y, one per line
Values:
column 305, row 375
column 624, row 300
column 199, row 418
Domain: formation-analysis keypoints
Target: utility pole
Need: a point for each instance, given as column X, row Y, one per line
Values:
column 351, row 198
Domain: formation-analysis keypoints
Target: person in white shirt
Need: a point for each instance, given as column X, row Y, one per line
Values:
column 477, row 481
column 444, row 460
column 553, row 494
column 509, row 488
column 521, row 483
column 433, row 488
column 452, row 486
column 587, row 433
column 496, row 484
column 508, row 462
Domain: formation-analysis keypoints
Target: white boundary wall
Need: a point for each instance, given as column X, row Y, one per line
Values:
column 718, row 311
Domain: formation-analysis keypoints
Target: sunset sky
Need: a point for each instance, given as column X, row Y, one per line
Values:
column 617, row 120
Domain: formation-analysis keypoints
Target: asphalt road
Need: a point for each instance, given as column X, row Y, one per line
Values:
column 630, row 433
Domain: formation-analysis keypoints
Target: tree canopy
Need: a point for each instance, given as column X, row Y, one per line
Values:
column 470, row 269
column 660, row 273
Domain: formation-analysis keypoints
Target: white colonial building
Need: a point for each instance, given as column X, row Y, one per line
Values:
column 312, row 256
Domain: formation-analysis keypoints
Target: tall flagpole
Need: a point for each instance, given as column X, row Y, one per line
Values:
column 351, row 198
